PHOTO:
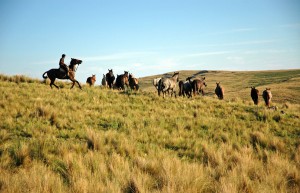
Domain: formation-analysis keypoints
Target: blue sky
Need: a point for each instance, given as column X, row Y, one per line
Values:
column 149, row 37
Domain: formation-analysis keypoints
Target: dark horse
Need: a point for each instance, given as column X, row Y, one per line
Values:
column 254, row 95
column 110, row 78
column 56, row 73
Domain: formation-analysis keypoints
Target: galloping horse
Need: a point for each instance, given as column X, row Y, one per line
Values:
column 52, row 74
column 166, row 84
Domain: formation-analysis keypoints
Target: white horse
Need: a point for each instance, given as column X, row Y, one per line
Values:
column 104, row 82
column 166, row 84
column 156, row 82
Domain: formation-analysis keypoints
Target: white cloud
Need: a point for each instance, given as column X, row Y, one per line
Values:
column 208, row 53
column 266, row 51
column 254, row 42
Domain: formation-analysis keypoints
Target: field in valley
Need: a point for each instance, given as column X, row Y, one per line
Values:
column 100, row 140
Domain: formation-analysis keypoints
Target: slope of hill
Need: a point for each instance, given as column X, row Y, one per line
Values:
column 284, row 84
column 99, row 140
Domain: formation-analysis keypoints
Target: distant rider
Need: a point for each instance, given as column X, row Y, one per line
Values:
column 63, row 67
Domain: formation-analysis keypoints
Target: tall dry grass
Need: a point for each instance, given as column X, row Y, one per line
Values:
column 99, row 140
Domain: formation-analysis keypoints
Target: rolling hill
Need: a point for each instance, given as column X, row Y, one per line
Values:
column 100, row 140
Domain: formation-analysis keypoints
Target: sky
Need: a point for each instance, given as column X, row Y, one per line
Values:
column 148, row 37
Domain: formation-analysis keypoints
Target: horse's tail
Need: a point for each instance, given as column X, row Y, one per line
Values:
column 44, row 75
column 159, row 87
column 194, row 88
column 180, row 88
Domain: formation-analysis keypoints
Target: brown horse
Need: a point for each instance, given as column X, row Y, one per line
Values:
column 267, row 95
column 122, row 80
column 91, row 80
column 52, row 74
column 198, row 85
column 133, row 82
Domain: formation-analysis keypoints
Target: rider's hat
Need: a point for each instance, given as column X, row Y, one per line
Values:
column 63, row 55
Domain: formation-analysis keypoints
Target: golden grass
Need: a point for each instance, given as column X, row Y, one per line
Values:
column 99, row 140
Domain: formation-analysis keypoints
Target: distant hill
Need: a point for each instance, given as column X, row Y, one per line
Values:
column 284, row 84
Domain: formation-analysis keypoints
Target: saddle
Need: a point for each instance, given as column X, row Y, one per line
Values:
column 63, row 72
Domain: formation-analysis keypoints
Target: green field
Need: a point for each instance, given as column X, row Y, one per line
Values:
column 100, row 140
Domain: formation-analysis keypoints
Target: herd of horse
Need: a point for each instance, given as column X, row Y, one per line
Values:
column 120, row 82
column 190, row 87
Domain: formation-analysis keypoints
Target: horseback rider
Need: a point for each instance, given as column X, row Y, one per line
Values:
column 62, row 66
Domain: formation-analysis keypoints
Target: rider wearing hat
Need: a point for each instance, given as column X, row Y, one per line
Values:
column 62, row 64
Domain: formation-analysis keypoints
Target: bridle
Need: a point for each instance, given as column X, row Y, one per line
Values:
column 76, row 65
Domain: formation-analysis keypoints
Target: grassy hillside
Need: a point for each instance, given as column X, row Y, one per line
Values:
column 98, row 140
column 284, row 84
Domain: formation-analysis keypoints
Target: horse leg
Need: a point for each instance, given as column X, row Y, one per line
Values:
column 72, row 84
column 74, row 81
column 165, row 90
column 52, row 83
column 173, row 91
column 78, row 84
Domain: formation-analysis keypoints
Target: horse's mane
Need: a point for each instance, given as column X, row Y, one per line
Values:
column 175, row 73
